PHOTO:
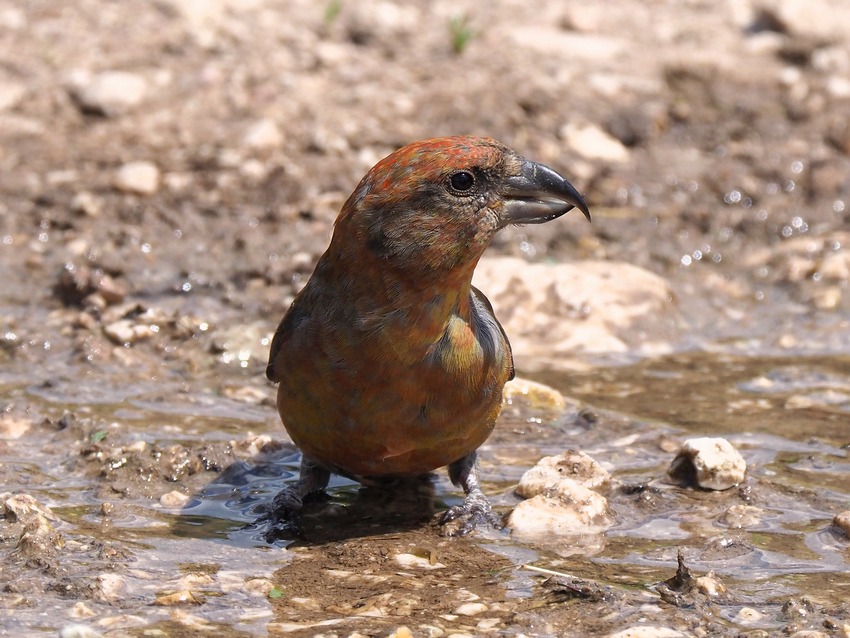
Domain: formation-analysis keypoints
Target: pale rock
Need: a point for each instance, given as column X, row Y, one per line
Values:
column 835, row 266
column 258, row 586
column 470, row 609
column 407, row 561
column 827, row 298
column 141, row 178
column 741, row 516
column 262, row 134
column 554, row 311
column 534, row 395
column 647, row 631
column 13, row 427
column 109, row 93
column 809, row 633
column 575, row 510
column 173, row 499
column 554, row 475
column 710, row 585
column 78, row 631
column 748, row 616
column 125, row 331
column 24, row 508
column 841, row 522
column 81, row 610
column 111, row 586
column 591, row 142
column 713, row 463
column 85, row 203
column 11, row 94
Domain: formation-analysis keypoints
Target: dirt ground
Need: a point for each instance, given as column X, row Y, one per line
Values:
column 169, row 174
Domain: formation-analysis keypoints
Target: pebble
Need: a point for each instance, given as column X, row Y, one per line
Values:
column 647, row 631
column 263, row 134
column 841, row 522
column 85, row 203
column 141, row 178
column 109, row 93
column 710, row 585
column 533, row 395
column 111, row 586
column 126, row 331
column 551, row 471
column 184, row 597
column 173, row 499
column 593, row 143
column 713, row 463
column 13, row 427
column 258, row 586
column 741, row 516
column 78, row 631
column 470, row 609
column 748, row 616
column 11, row 94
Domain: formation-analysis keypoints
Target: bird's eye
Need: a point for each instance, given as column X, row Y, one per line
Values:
column 462, row 181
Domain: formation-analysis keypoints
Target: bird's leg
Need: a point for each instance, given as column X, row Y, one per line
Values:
column 475, row 508
column 285, row 511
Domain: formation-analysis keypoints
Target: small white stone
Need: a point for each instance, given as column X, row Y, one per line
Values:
column 141, row 178
column 713, row 462
column 173, row 499
column 748, row 616
column 124, row 331
column 647, row 631
column 470, row 609
column 263, row 134
column 111, row 586
column 841, row 522
column 533, row 394
column 78, row 631
column 710, row 585
column 592, row 142
column 11, row 94
column 110, row 93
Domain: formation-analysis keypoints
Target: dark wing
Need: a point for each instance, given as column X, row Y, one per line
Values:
column 484, row 315
column 293, row 318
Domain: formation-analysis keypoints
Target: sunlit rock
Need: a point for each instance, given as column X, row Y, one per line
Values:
column 741, row 516
column 140, row 178
column 556, row 475
column 841, row 522
column 554, row 311
column 108, row 93
column 533, row 395
column 709, row 463
column 574, row 510
column 647, row 631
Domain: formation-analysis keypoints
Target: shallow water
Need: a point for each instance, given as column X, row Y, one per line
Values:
column 787, row 416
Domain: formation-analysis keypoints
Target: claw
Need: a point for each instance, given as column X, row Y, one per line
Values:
column 284, row 514
column 475, row 508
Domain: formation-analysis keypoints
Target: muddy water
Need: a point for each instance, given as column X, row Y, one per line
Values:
column 155, row 488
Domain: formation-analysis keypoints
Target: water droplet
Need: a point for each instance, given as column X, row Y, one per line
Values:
column 733, row 197
column 797, row 222
column 7, row 240
column 43, row 237
column 697, row 255
column 759, row 295
column 146, row 248
column 787, row 231
column 838, row 206
column 686, row 260
column 178, row 233
column 716, row 258
column 796, row 166
column 789, row 186
column 762, row 215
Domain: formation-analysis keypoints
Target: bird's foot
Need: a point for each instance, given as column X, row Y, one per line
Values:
column 283, row 517
column 460, row 520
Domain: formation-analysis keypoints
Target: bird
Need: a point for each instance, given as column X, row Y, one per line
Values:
column 390, row 363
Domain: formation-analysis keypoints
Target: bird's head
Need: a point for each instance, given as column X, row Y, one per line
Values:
column 433, row 206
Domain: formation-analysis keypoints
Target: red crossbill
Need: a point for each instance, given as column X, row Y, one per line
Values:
column 390, row 362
